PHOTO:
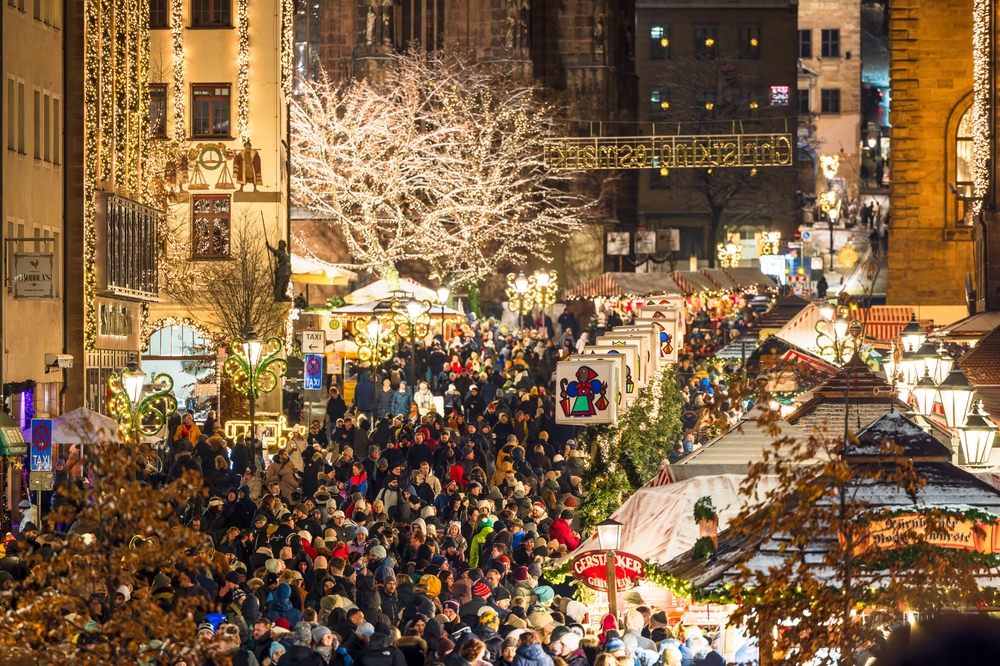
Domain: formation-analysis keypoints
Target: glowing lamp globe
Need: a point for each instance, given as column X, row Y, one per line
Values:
column 609, row 534
column 976, row 437
column 134, row 379
column 956, row 393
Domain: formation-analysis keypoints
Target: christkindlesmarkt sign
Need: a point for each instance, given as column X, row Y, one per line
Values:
column 669, row 152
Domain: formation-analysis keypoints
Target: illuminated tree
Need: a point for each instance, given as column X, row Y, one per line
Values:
column 440, row 162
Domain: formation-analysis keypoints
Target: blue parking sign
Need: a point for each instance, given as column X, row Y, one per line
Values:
column 41, row 445
column 313, row 375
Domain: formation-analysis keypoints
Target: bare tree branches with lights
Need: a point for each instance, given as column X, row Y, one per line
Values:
column 441, row 163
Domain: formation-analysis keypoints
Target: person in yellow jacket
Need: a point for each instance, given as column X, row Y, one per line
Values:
column 187, row 430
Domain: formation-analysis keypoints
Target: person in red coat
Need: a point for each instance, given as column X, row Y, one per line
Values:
column 562, row 532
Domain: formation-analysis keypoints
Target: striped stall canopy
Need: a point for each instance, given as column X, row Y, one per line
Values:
column 885, row 321
column 721, row 279
column 617, row 285
column 693, row 282
column 751, row 277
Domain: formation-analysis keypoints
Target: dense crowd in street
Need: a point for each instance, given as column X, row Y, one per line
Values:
column 391, row 534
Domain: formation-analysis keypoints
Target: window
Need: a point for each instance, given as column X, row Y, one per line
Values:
column 20, row 117
column 46, row 127
column 211, row 110
column 158, row 14
column 37, row 127
column 805, row 44
column 11, row 107
column 37, row 12
column 964, row 179
column 659, row 179
column 704, row 42
column 780, row 96
column 158, row 109
column 211, row 14
column 830, row 100
column 210, row 230
column 830, row 47
column 707, row 100
column 750, row 42
column 804, row 101
column 423, row 24
column 659, row 42
column 659, row 103
column 307, row 43
column 56, row 129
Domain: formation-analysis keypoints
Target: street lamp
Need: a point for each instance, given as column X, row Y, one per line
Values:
column 976, row 436
column 924, row 393
column 136, row 414
column 254, row 368
column 373, row 346
column 442, row 297
column 520, row 293
column 912, row 335
column 609, row 535
column 928, row 356
column 411, row 311
column 945, row 363
column 956, row 392
column 546, row 286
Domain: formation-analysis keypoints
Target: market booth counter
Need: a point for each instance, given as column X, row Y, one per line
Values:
column 972, row 508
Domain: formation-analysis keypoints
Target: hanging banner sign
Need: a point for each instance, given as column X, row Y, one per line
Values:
column 591, row 569
column 669, row 152
column 41, row 445
column 313, row 373
column 903, row 530
column 587, row 392
column 33, row 275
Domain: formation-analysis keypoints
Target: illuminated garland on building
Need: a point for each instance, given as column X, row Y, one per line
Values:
column 115, row 126
column 150, row 326
column 981, row 99
column 287, row 27
column 177, row 32
column 243, row 67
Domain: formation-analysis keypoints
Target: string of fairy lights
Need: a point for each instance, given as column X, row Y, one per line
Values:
column 981, row 30
column 115, row 88
column 243, row 71
column 287, row 27
column 177, row 35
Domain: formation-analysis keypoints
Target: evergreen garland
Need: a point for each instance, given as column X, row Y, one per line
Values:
column 474, row 299
column 626, row 455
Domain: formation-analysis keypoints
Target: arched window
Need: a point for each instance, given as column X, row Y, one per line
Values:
column 964, row 178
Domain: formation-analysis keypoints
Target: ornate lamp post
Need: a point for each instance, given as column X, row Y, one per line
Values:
column 137, row 414
column 520, row 293
column 956, row 392
column 945, row 363
column 546, row 286
column 254, row 368
column 609, row 535
column 374, row 343
column 924, row 393
column 838, row 336
column 912, row 335
column 411, row 311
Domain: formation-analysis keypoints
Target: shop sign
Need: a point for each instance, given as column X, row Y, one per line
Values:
column 591, row 569
column 33, row 275
column 118, row 324
column 350, row 386
column 903, row 530
column 624, row 398
column 41, row 445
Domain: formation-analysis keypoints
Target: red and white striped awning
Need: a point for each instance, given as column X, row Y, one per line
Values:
column 618, row 285
column 885, row 321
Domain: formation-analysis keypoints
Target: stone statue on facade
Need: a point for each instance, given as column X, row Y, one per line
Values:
column 518, row 20
column 387, row 5
column 282, row 270
column 370, row 25
column 600, row 31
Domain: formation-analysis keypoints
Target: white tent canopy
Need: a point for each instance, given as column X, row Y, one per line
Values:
column 659, row 519
column 308, row 270
column 84, row 426
column 381, row 290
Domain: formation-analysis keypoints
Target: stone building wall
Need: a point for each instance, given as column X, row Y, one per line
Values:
column 930, row 251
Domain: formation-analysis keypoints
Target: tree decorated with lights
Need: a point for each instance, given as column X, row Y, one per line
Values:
column 440, row 162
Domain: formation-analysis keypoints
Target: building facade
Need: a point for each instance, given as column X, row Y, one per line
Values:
column 717, row 67
column 32, row 185
column 931, row 156
column 829, row 93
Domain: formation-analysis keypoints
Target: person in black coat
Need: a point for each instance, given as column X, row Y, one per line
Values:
column 380, row 651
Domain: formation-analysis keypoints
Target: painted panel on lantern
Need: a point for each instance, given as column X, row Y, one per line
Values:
column 645, row 328
column 622, row 398
column 646, row 368
column 666, row 339
column 630, row 381
column 587, row 392
column 635, row 358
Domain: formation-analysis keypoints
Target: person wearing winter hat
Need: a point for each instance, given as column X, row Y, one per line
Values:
column 542, row 621
column 535, row 569
column 615, row 647
column 301, row 652
column 544, row 593
column 276, row 652
column 324, row 642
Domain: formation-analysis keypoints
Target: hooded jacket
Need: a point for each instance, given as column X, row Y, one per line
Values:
column 532, row 655
column 282, row 606
column 381, row 652
column 301, row 655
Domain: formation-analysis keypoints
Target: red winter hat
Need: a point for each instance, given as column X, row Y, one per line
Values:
column 481, row 589
column 521, row 573
column 283, row 623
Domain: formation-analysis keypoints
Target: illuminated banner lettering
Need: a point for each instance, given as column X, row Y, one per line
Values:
column 669, row 152
column 591, row 569
column 951, row 532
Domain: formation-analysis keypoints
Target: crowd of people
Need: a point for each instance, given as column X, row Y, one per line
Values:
column 411, row 527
